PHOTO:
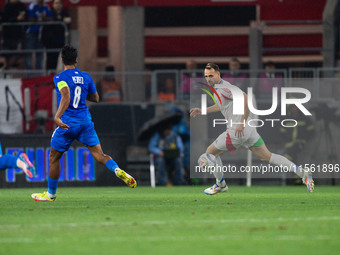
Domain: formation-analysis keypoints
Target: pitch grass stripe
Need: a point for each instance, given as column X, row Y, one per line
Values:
column 55, row 206
column 161, row 205
column 17, row 240
column 100, row 224
column 175, row 238
column 105, row 206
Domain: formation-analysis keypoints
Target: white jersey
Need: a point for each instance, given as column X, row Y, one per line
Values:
column 227, row 104
column 228, row 140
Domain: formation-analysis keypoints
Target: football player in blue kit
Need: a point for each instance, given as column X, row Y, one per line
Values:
column 74, row 122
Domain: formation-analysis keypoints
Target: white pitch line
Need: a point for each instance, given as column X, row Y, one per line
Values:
column 195, row 222
column 177, row 238
column 333, row 218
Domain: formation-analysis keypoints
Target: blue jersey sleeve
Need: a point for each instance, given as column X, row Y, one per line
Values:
column 55, row 81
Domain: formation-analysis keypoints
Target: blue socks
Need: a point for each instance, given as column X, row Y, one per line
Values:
column 8, row 161
column 111, row 165
column 52, row 185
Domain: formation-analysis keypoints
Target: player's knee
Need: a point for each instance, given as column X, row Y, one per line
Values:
column 207, row 159
column 211, row 152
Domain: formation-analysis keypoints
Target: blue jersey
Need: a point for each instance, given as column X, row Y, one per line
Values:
column 80, row 85
column 33, row 11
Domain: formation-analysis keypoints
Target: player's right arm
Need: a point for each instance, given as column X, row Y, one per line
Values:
column 197, row 111
column 63, row 105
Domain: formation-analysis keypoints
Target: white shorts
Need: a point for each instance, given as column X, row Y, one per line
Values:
column 227, row 141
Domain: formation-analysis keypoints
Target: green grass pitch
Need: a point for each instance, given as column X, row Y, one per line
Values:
column 177, row 220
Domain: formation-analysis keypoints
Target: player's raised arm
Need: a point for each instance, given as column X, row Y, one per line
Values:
column 93, row 97
column 197, row 111
column 64, row 103
column 213, row 108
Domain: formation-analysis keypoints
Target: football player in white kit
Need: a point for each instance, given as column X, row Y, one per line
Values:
column 238, row 135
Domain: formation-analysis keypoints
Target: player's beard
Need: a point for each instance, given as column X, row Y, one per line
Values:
column 212, row 83
column 215, row 82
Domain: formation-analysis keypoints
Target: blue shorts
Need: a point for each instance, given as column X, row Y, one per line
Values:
column 85, row 133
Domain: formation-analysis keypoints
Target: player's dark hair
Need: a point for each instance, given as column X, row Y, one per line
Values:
column 69, row 55
column 212, row 66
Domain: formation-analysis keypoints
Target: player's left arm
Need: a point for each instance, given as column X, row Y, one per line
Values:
column 92, row 95
column 63, row 105
column 239, row 132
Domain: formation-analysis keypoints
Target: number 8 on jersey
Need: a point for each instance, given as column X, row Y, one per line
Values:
column 77, row 94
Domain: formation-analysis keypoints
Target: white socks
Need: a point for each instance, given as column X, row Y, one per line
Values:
column 219, row 174
column 279, row 160
column 275, row 159
column 116, row 171
column 51, row 196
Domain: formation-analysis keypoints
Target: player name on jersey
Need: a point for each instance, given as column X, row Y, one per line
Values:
column 78, row 79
